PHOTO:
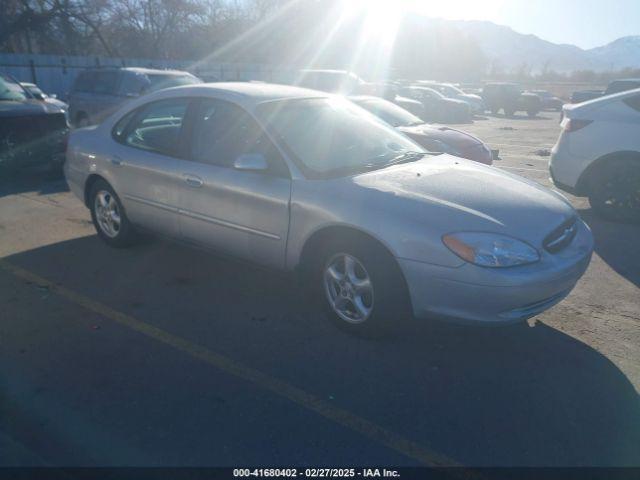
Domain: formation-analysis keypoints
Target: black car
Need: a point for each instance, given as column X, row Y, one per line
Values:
column 510, row 98
column 617, row 86
column 31, row 132
column 580, row 96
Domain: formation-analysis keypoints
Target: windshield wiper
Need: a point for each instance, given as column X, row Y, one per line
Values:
column 406, row 157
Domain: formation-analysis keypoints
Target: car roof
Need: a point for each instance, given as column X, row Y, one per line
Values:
column 139, row 70
column 247, row 94
column 28, row 84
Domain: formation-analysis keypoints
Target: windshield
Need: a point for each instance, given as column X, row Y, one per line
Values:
column 35, row 90
column 389, row 112
column 158, row 82
column 10, row 90
column 331, row 136
column 451, row 90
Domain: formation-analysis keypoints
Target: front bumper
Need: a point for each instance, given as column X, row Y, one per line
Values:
column 472, row 294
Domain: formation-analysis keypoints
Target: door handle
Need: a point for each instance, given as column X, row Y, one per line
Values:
column 117, row 161
column 193, row 180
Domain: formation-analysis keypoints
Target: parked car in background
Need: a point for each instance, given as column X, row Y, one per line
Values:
column 510, row 98
column 549, row 100
column 580, row 96
column 622, row 85
column 598, row 154
column 451, row 91
column 330, row 81
column 389, row 91
column 294, row 180
column 97, row 93
column 437, row 107
column 433, row 138
column 32, row 132
column 38, row 94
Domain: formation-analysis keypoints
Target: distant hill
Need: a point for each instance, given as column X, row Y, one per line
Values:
column 507, row 49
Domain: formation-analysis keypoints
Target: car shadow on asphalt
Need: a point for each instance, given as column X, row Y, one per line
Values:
column 34, row 180
column 513, row 395
column 618, row 244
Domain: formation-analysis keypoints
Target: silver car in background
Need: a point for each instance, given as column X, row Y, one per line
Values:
column 304, row 181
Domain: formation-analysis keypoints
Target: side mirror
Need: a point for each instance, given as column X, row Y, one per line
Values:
column 38, row 96
column 254, row 162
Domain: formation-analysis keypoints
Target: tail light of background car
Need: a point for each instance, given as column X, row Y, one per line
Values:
column 574, row 124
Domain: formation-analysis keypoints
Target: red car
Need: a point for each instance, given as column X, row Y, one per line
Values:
column 434, row 138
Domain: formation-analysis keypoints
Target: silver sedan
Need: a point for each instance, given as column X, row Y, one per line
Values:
column 308, row 182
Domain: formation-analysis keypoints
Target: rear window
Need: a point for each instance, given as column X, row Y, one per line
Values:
column 159, row 81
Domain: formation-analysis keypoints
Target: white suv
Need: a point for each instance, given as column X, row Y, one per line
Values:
column 598, row 154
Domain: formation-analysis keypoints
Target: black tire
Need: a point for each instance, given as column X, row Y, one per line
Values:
column 390, row 302
column 614, row 190
column 509, row 112
column 125, row 234
column 532, row 113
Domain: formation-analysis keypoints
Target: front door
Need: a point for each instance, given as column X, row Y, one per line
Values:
column 240, row 212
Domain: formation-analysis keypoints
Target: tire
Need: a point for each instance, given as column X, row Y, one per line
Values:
column 382, row 307
column 509, row 112
column 614, row 191
column 117, row 233
column 532, row 113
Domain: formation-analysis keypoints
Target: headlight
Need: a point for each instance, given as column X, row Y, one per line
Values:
column 490, row 249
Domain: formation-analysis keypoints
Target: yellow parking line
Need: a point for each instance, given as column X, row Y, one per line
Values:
column 309, row 401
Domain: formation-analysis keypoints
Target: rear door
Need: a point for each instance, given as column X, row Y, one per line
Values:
column 239, row 212
column 147, row 163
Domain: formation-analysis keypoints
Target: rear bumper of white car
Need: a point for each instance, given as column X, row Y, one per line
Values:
column 472, row 294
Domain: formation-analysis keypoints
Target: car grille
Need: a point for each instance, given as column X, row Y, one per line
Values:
column 21, row 136
column 561, row 237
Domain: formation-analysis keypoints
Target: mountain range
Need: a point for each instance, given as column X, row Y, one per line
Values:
column 507, row 49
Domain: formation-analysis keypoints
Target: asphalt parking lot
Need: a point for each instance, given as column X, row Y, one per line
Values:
column 162, row 355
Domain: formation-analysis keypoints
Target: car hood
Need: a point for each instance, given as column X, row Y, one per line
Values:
column 447, row 194
column 456, row 138
column 27, row 108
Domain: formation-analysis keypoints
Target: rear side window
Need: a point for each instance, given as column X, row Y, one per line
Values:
column 633, row 102
column 157, row 127
column 84, row 82
column 105, row 83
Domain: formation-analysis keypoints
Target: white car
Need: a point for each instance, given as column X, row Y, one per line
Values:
column 598, row 154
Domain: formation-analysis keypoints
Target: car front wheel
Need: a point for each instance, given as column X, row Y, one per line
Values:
column 108, row 215
column 362, row 288
column 615, row 190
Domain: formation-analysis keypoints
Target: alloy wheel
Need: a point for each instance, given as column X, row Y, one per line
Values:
column 107, row 213
column 348, row 288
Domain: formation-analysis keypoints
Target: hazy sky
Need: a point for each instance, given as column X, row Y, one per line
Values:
column 586, row 23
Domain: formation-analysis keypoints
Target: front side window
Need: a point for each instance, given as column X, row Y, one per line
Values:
column 330, row 137
column 222, row 132
column 157, row 127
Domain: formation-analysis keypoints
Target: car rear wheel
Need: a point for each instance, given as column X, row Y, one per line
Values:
column 615, row 190
column 108, row 215
column 532, row 113
column 362, row 288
